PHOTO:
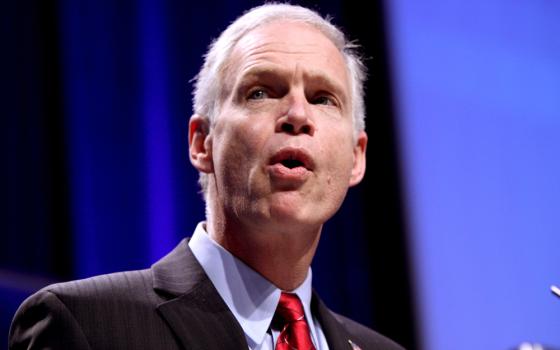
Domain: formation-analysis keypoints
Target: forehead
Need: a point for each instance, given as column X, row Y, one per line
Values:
column 289, row 46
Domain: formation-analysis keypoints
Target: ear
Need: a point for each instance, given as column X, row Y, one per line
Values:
column 200, row 144
column 359, row 166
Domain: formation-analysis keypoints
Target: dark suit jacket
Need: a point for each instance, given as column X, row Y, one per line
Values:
column 173, row 305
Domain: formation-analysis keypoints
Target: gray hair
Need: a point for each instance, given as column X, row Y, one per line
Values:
column 208, row 87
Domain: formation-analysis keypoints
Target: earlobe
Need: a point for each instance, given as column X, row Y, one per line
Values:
column 200, row 144
column 359, row 166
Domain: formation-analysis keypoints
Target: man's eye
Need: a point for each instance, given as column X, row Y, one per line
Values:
column 324, row 100
column 257, row 94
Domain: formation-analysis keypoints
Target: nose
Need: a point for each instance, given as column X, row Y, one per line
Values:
column 297, row 119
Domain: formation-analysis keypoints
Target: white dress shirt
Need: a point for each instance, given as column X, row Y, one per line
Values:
column 250, row 297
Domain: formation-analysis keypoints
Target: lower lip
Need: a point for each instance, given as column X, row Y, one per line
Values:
column 280, row 172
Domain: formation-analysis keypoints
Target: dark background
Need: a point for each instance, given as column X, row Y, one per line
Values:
column 95, row 173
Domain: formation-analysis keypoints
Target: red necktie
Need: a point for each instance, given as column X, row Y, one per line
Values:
column 295, row 330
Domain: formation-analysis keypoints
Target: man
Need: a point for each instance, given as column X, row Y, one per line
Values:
column 278, row 138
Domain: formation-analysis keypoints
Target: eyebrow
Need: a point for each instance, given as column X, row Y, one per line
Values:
column 262, row 73
column 313, row 78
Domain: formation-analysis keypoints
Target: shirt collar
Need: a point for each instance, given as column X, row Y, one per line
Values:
column 251, row 298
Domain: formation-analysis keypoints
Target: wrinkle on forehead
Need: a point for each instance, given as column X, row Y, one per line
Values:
column 251, row 58
column 260, row 41
column 259, row 46
column 256, row 46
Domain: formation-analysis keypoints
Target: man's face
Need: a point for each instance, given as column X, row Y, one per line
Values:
column 282, row 147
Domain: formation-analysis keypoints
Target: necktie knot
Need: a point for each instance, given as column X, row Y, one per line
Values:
column 295, row 330
column 290, row 308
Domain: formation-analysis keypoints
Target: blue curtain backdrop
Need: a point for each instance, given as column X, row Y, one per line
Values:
column 478, row 86
column 95, row 174
column 95, row 154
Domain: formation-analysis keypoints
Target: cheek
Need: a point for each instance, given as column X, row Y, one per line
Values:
column 336, row 177
column 237, row 151
column 339, row 160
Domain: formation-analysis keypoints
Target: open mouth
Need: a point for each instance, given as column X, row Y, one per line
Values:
column 292, row 163
column 293, row 158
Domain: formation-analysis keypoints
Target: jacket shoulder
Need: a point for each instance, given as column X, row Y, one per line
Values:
column 119, row 285
column 107, row 311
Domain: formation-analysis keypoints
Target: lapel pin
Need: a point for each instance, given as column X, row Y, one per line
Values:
column 555, row 290
column 354, row 346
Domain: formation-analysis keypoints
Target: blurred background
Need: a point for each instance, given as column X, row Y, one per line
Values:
column 451, row 241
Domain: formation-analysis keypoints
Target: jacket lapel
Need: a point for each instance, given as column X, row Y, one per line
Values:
column 337, row 336
column 194, row 310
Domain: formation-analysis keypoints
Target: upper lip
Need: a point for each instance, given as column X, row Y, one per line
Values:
column 293, row 154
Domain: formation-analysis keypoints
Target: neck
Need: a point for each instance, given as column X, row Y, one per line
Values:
column 280, row 253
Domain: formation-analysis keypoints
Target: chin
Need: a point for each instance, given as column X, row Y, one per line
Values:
column 298, row 215
column 293, row 208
